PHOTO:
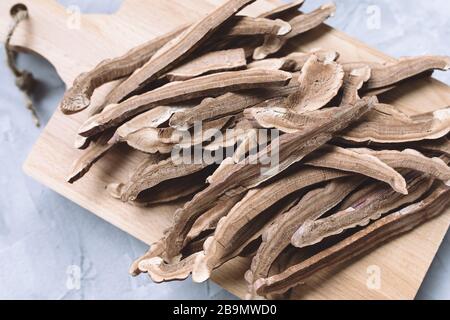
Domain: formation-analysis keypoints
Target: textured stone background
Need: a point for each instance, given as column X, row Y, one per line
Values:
column 47, row 243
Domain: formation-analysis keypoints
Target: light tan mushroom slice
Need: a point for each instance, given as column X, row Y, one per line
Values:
column 160, row 271
column 255, row 203
column 231, row 137
column 178, row 49
column 300, row 24
column 150, row 176
column 363, row 163
column 411, row 159
column 353, row 82
column 293, row 62
column 370, row 207
column 211, row 62
column 278, row 236
column 359, row 243
column 280, row 11
column 90, row 156
column 156, row 250
column 78, row 97
column 405, row 68
column 249, row 26
column 175, row 92
column 205, row 132
column 288, row 149
column 385, row 124
column 228, row 104
column 319, row 84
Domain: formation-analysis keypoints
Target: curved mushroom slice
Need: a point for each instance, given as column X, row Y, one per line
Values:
column 95, row 152
column 311, row 207
column 293, row 62
column 280, row 11
column 160, row 271
column 353, row 82
column 359, row 243
column 249, row 26
column 371, row 207
column 300, row 24
column 288, row 149
column 77, row 98
column 405, row 68
column 228, row 104
column 232, row 136
column 319, row 84
column 178, row 49
column 155, row 250
column 211, row 62
column 365, row 164
column 209, row 220
column 385, row 124
column 411, row 159
column 255, row 203
column 182, row 91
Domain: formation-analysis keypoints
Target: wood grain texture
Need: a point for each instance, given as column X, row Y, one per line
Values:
column 403, row 262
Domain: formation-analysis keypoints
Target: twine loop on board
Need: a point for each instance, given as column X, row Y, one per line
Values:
column 24, row 79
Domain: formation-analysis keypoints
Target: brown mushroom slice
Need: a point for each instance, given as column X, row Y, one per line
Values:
column 210, row 62
column 255, row 203
column 411, row 159
column 148, row 176
column 228, row 104
column 353, row 82
column 365, row 164
column 319, row 84
column 371, row 207
column 280, row 11
column 405, row 68
column 385, row 124
column 160, row 271
column 94, row 153
column 155, row 250
column 78, row 97
column 182, row 91
column 293, row 62
column 209, row 220
column 311, row 207
column 249, row 26
column 178, row 49
column 372, row 237
column 300, row 24
column 290, row 148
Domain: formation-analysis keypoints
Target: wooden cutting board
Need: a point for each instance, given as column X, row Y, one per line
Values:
column 75, row 45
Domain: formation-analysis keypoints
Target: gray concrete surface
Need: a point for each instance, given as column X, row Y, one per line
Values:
column 52, row 249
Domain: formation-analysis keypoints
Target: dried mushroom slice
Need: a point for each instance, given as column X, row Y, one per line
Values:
column 353, row 82
column 411, row 159
column 160, row 271
column 210, row 62
column 155, row 250
column 371, row 207
column 300, row 24
column 441, row 146
column 359, row 243
column 249, row 26
column 78, row 97
column 319, row 84
column 178, row 49
column 226, row 237
column 405, row 68
column 278, row 236
column 280, row 11
column 228, row 104
column 289, row 148
column 149, row 176
column 183, row 91
column 94, row 153
column 363, row 163
column 385, row 124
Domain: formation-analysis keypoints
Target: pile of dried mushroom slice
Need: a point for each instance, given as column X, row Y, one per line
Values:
column 351, row 172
